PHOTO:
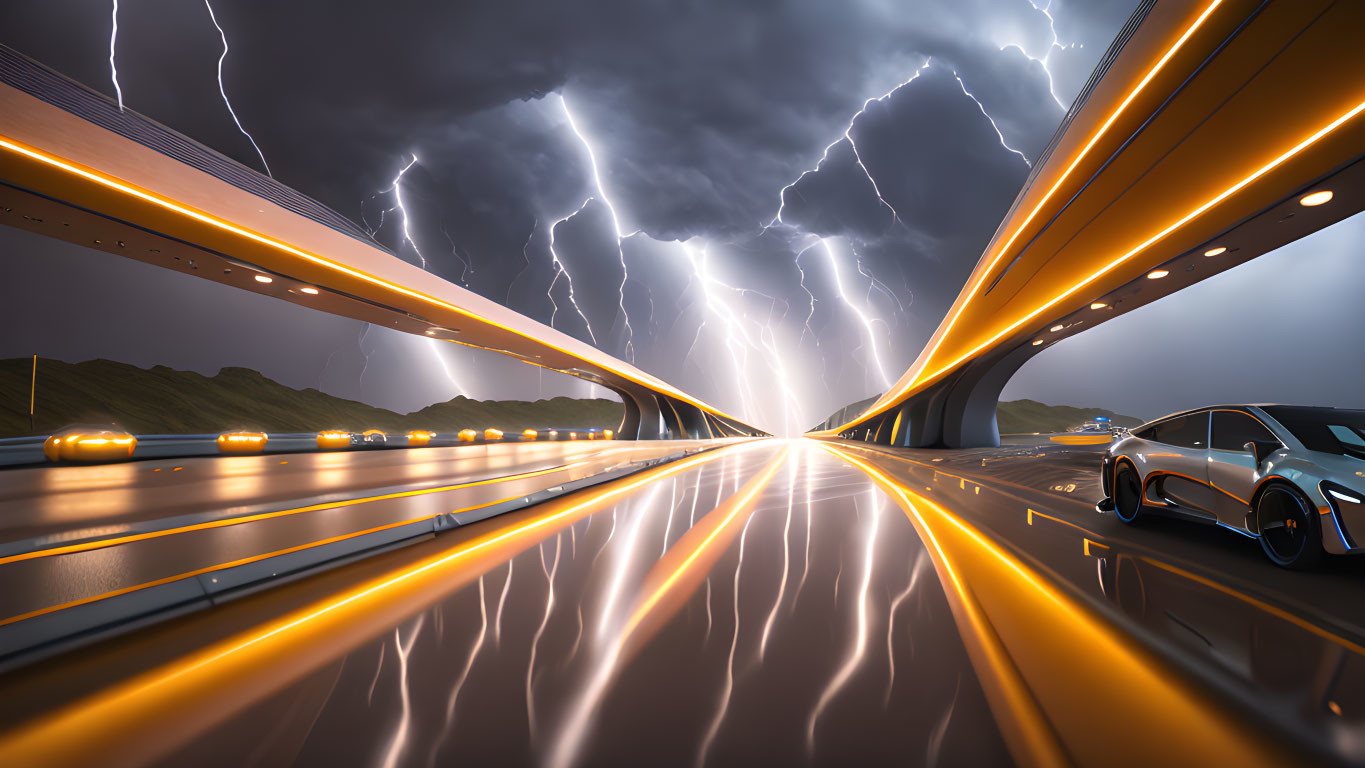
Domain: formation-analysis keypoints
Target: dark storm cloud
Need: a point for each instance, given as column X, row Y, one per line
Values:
column 699, row 114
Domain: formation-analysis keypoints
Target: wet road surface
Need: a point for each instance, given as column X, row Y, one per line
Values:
column 781, row 603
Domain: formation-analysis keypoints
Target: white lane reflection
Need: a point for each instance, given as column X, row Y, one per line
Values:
column 540, row 632
column 786, row 558
column 921, row 562
column 502, row 601
column 464, row 675
column 719, row 719
column 858, row 649
column 400, row 734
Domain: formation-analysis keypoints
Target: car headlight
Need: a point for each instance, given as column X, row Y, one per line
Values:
column 1346, row 504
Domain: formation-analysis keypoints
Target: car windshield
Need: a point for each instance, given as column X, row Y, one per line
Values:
column 1325, row 429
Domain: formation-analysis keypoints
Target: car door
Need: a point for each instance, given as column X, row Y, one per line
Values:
column 1232, row 469
column 1178, row 469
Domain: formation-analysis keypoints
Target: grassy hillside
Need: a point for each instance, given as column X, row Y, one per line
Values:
column 1013, row 416
column 161, row 400
column 1017, row 416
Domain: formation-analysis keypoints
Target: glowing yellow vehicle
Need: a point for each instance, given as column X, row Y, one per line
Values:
column 492, row 434
column 419, row 437
column 573, row 435
column 529, row 434
column 607, row 434
column 333, row 440
column 242, row 442
column 467, row 436
column 89, row 444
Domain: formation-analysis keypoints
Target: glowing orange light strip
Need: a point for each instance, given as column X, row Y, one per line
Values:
column 116, row 541
column 961, row 306
column 240, row 561
column 38, row 742
column 107, row 181
column 738, row 504
column 1112, row 265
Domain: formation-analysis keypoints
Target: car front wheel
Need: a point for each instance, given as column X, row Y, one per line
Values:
column 1127, row 493
column 1291, row 533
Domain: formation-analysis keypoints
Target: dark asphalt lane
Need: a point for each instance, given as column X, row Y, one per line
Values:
column 53, row 504
column 773, row 603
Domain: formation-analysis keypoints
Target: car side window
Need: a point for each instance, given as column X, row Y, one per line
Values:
column 1190, row 431
column 1146, row 434
column 1233, row 429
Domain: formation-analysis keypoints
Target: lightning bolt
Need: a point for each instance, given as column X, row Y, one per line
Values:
column 990, row 119
column 1054, row 45
column 223, row 89
column 113, row 66
column 847, row 135
column 738, row 340
column 615, row 222
column 561, row 271
column 859, row 313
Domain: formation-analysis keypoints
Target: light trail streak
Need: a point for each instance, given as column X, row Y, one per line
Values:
column 113, row 65
column 400, row 735
column 627, row 550
column 858, row 649
column 223, row 90
column 858, row 312
column 535, row 642
column 672, row 508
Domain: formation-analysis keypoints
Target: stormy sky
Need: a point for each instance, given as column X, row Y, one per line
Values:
column 769, row 204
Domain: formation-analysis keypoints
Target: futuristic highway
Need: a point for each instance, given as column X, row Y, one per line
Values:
column 770, row 601
column 932, row 574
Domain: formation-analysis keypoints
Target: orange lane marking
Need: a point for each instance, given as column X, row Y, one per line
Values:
column 102, row 543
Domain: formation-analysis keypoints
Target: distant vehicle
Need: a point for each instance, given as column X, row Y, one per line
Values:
column 242, row 441
column 333, row 439
column 420, row 437
column 1292, row 477
column 467, row 436
column 89, row 443
column 370, row 438
column 492, row 434
column 528, row 435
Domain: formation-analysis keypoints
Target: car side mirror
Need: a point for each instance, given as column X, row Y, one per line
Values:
column 1261, row 449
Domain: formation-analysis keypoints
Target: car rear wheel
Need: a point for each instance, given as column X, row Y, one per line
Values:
column 1291, row 533
column 1127, row 493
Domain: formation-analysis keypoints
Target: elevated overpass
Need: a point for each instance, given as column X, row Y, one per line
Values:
column 76, row 167
column 1210, row 133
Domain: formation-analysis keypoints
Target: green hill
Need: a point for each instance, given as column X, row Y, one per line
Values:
column 162, row 400
column 1021, row 416
column 1012, row 416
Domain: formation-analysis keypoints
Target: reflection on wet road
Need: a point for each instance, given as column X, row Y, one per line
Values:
column 770, row 603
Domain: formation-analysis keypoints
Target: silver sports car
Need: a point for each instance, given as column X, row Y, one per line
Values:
column 1291, row 476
